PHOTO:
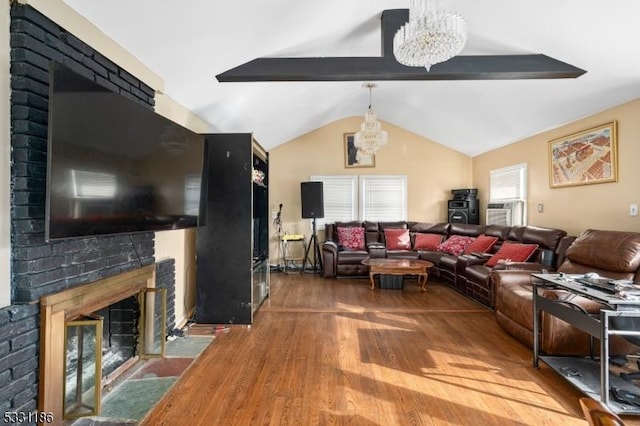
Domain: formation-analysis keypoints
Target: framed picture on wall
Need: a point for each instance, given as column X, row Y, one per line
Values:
column 589, row 156
column 353, row 157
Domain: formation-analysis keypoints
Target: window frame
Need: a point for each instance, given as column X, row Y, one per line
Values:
column 519, row 172
column 362, row 194
column 348, row 179
column 358, row 186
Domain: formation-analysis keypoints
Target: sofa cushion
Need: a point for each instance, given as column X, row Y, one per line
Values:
column 513, row 252
column 481, row 244
column 455, row 244
column 614, row 251
column 397, row 239
column 431, row 256
column 352, row 257
column 448, row 262
column 402, row 254
column 429, row 228
column 516, row 233
column 466, row 229
column 351, row 238
column 547, row 238
column 426, row 241
column 331, row 229
column 500, row 231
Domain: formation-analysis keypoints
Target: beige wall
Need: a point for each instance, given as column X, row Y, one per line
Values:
column 432, row 171
column 180, row 244
column 574, row 208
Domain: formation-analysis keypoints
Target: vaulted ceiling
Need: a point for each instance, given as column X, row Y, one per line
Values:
column 193, row 44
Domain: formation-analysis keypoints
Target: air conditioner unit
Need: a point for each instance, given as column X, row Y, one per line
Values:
column 506, row 214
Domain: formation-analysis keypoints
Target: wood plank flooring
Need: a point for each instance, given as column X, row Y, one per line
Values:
column 328, row 352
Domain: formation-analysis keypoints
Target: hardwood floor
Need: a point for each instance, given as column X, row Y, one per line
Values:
column 334, row 352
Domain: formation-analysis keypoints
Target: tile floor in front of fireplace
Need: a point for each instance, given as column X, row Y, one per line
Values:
column 129, row 401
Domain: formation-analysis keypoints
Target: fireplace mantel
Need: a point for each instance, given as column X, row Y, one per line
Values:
column 58, row 308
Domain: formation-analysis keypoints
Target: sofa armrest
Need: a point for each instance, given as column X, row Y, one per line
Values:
column 532, row 267
column 465, row 260
column 329, row 245
column 329, row 259
column 507, row 278
column 377, row 250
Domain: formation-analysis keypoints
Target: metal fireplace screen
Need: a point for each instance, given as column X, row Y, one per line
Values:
column 83, row 367
column 83, row 349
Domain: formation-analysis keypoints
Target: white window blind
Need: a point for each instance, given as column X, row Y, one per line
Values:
column 383, row 198
column 366, row 197
column 339, row 196
column 508, row 183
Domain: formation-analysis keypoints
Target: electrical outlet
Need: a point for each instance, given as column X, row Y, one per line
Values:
column 633, row 210
column 540, row 208
column 274, row 215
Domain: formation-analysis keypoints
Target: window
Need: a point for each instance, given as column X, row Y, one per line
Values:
column 339, row 196
column 383, row 198
column 367, row 197
column 508, row 186
column 508, row 183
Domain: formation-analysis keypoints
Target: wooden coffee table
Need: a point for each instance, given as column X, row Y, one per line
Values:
column 398, row 267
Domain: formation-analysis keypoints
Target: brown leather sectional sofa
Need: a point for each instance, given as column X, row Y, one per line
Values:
column 507, row 287
column 611, row 254
column 467, row 273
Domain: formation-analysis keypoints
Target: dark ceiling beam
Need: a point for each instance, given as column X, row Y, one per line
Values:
column 385, row 67
column 503, row 67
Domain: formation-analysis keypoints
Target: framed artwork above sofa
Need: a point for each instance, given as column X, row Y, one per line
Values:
column 354, row 157
column 589, row 156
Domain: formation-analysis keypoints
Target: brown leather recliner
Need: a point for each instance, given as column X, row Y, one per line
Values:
column 612, row 254
column 475, row 276
column 339, row 262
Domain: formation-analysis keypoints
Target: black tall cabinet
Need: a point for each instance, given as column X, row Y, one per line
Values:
column 233, row 244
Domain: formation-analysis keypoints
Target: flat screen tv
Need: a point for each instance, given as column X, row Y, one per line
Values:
column 114, row 165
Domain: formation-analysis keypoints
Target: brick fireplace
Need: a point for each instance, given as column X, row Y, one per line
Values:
column 67, row 310
column 40, row 268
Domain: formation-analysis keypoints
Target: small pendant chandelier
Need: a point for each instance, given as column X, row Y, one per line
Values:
column 370, row 137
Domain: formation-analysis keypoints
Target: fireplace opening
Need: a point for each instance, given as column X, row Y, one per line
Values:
column 119, row 335
column 93, row 334
column 113, row 329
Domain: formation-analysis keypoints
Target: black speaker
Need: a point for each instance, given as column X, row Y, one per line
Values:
column 312, row 196
column 464, row 211
column 458, row 216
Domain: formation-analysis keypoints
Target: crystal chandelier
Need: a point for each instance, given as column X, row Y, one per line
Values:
column 431, row 36
column 371, row 136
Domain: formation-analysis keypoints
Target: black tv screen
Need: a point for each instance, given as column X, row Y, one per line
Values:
column 114, row 165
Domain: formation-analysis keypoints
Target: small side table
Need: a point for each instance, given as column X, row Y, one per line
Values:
column 289, row 261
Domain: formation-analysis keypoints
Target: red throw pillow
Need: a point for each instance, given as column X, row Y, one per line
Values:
column 397, row 239
column 482, row 244
column 426, row 241
column 351, row 238
column 512, row 252
column 455, row 244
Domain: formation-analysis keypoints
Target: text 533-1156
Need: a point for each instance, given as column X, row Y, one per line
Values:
column 15, row 417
